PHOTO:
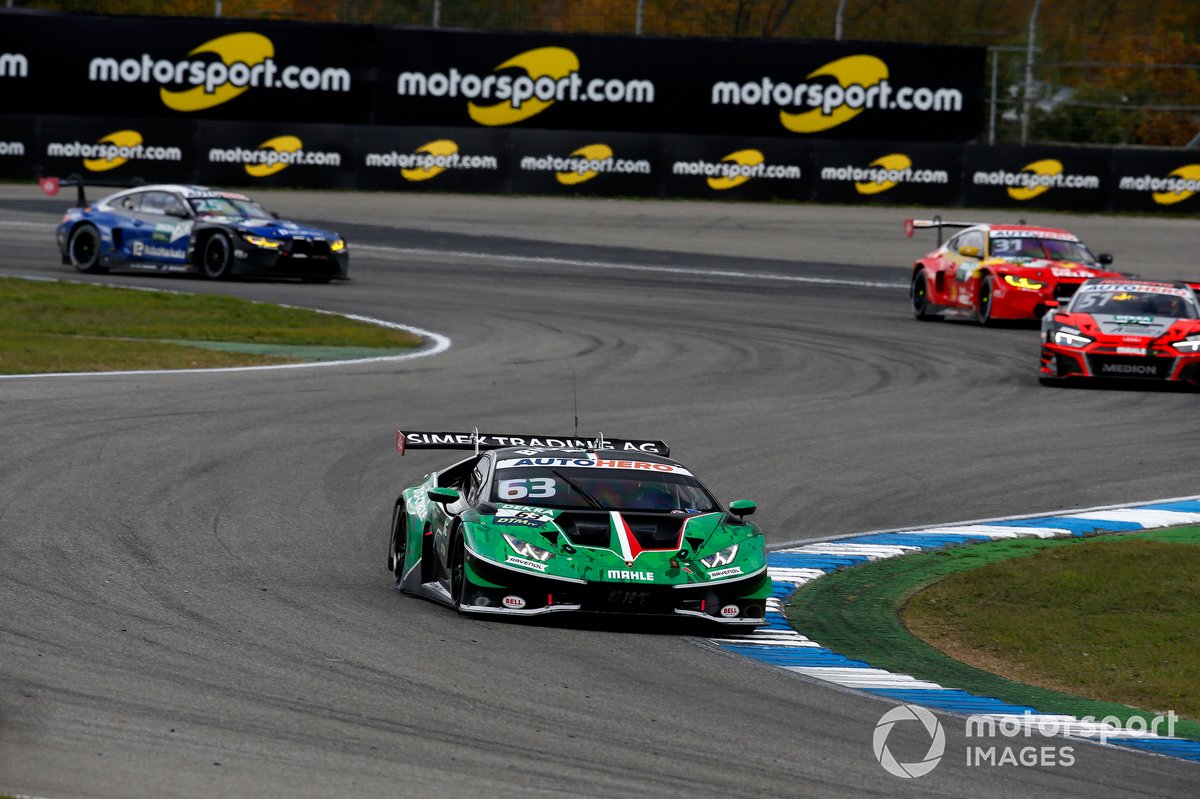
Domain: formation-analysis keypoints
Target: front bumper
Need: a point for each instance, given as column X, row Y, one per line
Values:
column 498, row 591
column 1099, row 362
column 291, row 261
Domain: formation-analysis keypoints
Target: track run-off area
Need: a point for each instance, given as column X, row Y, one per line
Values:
column 195, row 601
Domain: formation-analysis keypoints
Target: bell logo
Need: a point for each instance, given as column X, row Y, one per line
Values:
column 1189, row 173
column 896, row 162
column 121, row 145
column 856, row 75
column 244, row 50
column 1047, row 167
column 532, row 93
column 279, row 144
column 590, row 152
column 745, row 163
column 437, row 157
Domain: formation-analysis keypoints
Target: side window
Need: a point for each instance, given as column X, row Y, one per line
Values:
column 130, row 202
column 478, row 482
column 973, row 238
column 155, row 202
column 952, row 244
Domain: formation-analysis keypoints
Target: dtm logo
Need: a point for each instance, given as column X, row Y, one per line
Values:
column 1129, row 369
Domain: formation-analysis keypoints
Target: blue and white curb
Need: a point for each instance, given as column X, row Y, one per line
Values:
column 777, row 643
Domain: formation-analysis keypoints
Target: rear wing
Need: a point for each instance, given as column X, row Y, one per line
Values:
column 483, row 441
column 913, row 225
column 51, row 185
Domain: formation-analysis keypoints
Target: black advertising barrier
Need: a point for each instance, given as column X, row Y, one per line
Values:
column 187, row 68
column 1156, row 180
column 1037, row 176
column 432, row 159
column 276, row 154
column 755, row 87
column 116, row 148
column 296, row 72
column 741, row 168
column 574, row 162
column 871, row 172
column 18, row 145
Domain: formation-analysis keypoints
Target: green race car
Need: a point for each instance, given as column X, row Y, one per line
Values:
column 533, row 524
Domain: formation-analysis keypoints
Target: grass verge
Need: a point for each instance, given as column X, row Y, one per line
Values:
column 68, row 327
column 856, row 612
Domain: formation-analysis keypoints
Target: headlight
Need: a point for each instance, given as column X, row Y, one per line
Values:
column 527, row 550
column 262, row 241
column 1187, row 345
column 338, row 245
column 1023, row 283
column 1070, row 338
column 722, row 558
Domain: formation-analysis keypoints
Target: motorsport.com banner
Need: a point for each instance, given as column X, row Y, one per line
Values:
column 248, row 70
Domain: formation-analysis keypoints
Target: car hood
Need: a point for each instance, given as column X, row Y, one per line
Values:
column 272, row 228
column 1071, row 269
column 628, row 547
column 1131, row 325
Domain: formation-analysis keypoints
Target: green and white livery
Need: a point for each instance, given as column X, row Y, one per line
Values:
column 530, row 525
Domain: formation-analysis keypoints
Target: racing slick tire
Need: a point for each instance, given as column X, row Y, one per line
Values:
column 985, row 303
column 458, row 571
column 919, row 294
column 399, row 541
column 216, row 257
column 83, row 248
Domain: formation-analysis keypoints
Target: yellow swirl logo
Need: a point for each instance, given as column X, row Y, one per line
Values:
column 433, row 159
column 854, row 74
column 896, row 162
column 745, row 165
column 590, row 152
column 543, row 67
column 120, row 147
column 274, row 162
column 1189, row 173
column 238, row 52
column 1044, row 170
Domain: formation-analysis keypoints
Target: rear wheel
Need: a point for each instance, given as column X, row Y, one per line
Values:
column 985, row 302
column 216, row 257
column 919, row 294
column 399, row 541
column 458, row 572
column 83, row 249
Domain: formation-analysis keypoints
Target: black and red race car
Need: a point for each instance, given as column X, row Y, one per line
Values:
column 999, row 272
column 1124, row 329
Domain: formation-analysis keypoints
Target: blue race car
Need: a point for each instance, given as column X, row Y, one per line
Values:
column 195, row 229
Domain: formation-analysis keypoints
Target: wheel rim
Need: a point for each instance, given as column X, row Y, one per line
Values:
column 985, row 301
column 214, row 255
column 84, row 248
column 399, row 545
column 918, row 293
column 458, row 577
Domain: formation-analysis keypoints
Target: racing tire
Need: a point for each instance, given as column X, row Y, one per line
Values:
column 216, row 257
column 918, row 292
column 398, row 545
column 985, row 303
column 458, row 572
column 83, row 249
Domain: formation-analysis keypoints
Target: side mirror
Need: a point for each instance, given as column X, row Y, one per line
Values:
column 742, row 507
column 969, row 250
column 443, row 496
column 1105, row 258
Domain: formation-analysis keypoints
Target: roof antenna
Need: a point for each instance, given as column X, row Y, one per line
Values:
column 575, row 391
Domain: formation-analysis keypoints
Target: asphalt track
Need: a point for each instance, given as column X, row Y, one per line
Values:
column 193, row 599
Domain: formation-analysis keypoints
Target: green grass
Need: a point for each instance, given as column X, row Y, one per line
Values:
column 856, row 612
column 66, row 327
column 1112, row 619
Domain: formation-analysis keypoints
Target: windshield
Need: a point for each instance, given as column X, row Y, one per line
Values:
column 1034, row 247
column 226, row 206
column 1126, row 301
column 602, row 489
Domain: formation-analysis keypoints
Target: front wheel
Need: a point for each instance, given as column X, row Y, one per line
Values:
column 985, row 303
column 398, row 545
column 217, row 257
column 919, row 294
column 83, row 249
column 458, row 572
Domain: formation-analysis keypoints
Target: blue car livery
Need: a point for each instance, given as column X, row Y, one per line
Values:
column 183, row 228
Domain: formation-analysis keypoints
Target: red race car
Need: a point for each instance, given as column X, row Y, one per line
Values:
column 993, row 272
column 1124, row 329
